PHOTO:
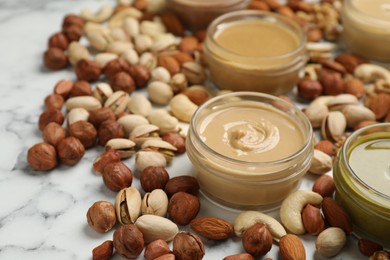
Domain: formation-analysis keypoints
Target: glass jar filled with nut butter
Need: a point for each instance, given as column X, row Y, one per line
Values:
column 362, row 178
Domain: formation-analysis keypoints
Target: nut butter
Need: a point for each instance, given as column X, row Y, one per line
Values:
column 198, row 14
column 366, row 28
column 249, row 150
column 362, row 178
column 255, row 51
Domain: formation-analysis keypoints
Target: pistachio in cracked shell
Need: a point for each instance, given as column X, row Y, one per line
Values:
column 125, row 147
column 163, row 147
column 128, row 205
column 155, row 203
column 142, row 133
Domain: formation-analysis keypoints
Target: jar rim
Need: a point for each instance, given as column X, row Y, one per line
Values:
column 345, row 150
column 210, row 3
column 349, row 5
column 265, row 16
column 305, row 124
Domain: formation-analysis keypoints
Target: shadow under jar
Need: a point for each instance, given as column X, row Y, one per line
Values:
column 255, row 51
column 198, row 14
column 366, row 28
column 362, row 178
column 249, row 150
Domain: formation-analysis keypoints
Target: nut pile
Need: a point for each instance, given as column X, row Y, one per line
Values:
column 137, row 45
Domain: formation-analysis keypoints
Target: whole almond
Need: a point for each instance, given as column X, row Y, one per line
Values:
column 212, row 228
column 365, row 123
column 324, row 186
column 336, row 215
column 380, row 105
column 327, row 147
column 291, row 248
column 172, row 23
column 368, row 247
column 103, row 251
column 197, row 94
column 257, row 240
column 350, row 61
column 170, row 63
column 312, row 220
column 332, row 65
column 242, row 256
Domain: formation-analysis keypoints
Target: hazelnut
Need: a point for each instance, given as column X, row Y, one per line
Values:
column 58, row 40
column 123, row 81
column 155, row 249
column 188, row 246
column 355, row 87
column 115, row 66
column 53, row 133
column 73, row 32
column 368, row 247
column 140, row 74
column 184, row 183
column 380, row 255
column 70, row 150
column 98, row 116
column 50, row 115
column 63, row 88
column 309, row 89
column 55, row 59
column 327, row 147
column 128, row 241
column 85, row 132
column 257, row 240
column 105, row 158
column 109, row 130
column 183, row 57
column 42, row 157
column 103, row 251
column 176, row 140
column 72, row 19
column 188, row 44
column 117, row 176
column 243, row 256
column 101, row 216
column 314, row 35
column 81, row 88
column 87, row 70
column 332, row 82
column 54, row 101
column 324, row 186
column 183, row 207
column 153, row 177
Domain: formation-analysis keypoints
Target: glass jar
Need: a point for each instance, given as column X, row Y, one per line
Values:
column 362, row 178
column 260, row 182
column 198, row 14
column 273, row 70
column 366, row 28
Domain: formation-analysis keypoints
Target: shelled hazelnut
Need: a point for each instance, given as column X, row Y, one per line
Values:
column 153, row 177
column 53, row 133
column 55, row 58
column 50, row 115
column 70, row 150
column 101, row 216
column 117, row 176
column 85, row 132
column 109, row 130
column 81, row 88
column 42, row 157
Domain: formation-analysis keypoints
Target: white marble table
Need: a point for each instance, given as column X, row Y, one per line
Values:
column 42, row 215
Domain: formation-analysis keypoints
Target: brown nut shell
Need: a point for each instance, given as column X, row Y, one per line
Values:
column 42, row 157
column 50, row 115
column 183, row 207
column 70, row 150
column 109, row 130
column 257, row 240
column 53, row 133
column 188, row 184
column 155, row 249
column 87, row 70
column 85, row 132
column 187, row 246
column 101, row 216
column 105, row 158
column 103, row 251
column 117, row 176
column 128, row 241
column 153, row 177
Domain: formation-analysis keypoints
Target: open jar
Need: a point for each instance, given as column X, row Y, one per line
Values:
column 255, row 51
column 366, row 28
column 362, row 178
column 249, row 150
column 198, row 14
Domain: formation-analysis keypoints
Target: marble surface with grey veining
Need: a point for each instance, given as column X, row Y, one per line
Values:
column 43, row 214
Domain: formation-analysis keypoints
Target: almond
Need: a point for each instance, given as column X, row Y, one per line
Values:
column 327, row 147
column 332, row 65
column 242, row 256
column 336, row 215
column 170, row 63
column 103, row 251
column 324, row 186
column 368, row 247
column 188, row 44
column 380, row 105
column 354, row 87
column 197, row 94
column 312, row 220
column 212, row 228
column 350, row 61
column 291, row 248
column 365, row 123
column 172, row 23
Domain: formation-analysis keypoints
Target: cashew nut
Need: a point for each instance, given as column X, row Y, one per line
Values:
column 247, row 219
column 290, row 211
column 117, row 19
column 371, row 72
column 182, row 107
column 100, row 16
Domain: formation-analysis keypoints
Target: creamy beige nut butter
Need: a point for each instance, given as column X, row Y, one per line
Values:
column 366, row 26
column 249, row 150
column 255, row 51
column 362, row 178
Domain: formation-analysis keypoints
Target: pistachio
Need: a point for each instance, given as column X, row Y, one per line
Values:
column 342, row 100
column 118, row 47
column 118, row 34
column 182, row 107
column 129, row 122
column 155, row 227
column 161, row 74
column 148, row 59
column 160, row 146
column 100, row 16
column 117, row 19
column 155, row 203
column 356, row 114
column 77, row 114
column 151, row 28
column 139, row 105
column 98, row 39
column 117, row 101
column 131, row 56
column 321, row 163
column 128, row 205
column 159, row 92
column 144, row 159
column 76, row 52
column 142, row 43
column 86, row 102
column 102, row 92
column 125, row 147
column 131, row 26
column 194, row 72
column 143, row 132
column 165, row 122
column 333, row 126
column 163, row 43
column 178, row 83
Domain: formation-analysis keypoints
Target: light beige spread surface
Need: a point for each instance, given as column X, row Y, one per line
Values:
column 376, row 8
